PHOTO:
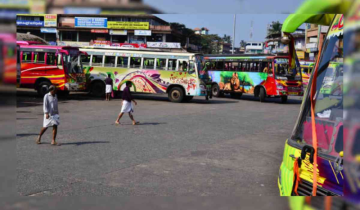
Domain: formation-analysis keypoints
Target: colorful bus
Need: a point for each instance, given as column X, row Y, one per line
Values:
column 7, row 59
column 313, row 155
column 174, row 73
column 306, row 69
column 260, row 75
column 333, row 80
column 44, row 65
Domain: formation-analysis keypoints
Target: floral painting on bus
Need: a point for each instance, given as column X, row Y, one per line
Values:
column 146, row 81
column 244, row 82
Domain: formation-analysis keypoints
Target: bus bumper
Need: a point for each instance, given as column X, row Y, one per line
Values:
column 75, row 86
column 287, row 93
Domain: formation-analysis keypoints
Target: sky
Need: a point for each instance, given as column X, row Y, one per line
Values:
column 225, row 6
column 218, row 15
column 224, row 23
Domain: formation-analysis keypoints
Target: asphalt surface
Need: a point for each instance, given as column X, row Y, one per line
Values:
column 225, row 146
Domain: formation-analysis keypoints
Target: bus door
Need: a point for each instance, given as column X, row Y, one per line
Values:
column 73, row 70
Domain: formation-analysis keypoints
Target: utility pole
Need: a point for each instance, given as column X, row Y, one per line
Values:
column 233, row 42
column 251, row 30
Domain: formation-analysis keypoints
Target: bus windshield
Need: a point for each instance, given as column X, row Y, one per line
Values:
column 328, row 100
column 73, row 64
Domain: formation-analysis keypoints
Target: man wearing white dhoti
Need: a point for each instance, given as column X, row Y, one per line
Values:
column 51, row 115
column 126, row 104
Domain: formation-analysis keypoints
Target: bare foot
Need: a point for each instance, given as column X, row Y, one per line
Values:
column 38, row 141
column 135, row 123
column 54, row 143
column 117, row 123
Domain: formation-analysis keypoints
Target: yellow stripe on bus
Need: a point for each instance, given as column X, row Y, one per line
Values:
column 44, row 76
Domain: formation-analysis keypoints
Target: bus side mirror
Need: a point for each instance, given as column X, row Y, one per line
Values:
column 285, row 38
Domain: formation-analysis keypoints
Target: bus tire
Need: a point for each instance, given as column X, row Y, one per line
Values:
column 188, row 98
column 176, row 94
column 98, row 89
column 215, row 90
column 43, row 88
column 262, row 95
column 284, row 99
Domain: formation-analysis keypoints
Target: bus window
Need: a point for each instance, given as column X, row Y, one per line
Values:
column 213, row 65
column 310, row 70
column 183, row 65
column 51, row 59
column 85, row 59
column 263, row 66
column 219, row 65
column 228, row 66
column 135, row 62
column 109, row 61
column 172, row 64
column 97, row 60
column 235, row 66
column 26, row 57
column 242, row 66
column 251, row 67
column 191, row 67
column 160, row 63
column 207, row 65
column 149, row 63
column 39, row 57
column 122, row 62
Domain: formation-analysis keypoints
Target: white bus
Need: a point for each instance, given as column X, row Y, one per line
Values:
column 174, row 73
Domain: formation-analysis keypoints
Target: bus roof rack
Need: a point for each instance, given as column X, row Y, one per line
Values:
column 243, row 55
column 135, row 49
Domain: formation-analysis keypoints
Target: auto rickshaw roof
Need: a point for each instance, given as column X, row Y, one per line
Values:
column 319, row 12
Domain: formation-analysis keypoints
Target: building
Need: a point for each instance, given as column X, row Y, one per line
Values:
column 254, row 47
column 273, row 44
column 300, row 47
column 202, row 31
column 315, row 35
column 225, row 48
column 236, row 50
column 99, row 7
column 10, row 8
column 99, row 30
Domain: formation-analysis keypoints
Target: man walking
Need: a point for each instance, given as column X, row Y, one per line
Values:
column 126, row 104
column 51, row 115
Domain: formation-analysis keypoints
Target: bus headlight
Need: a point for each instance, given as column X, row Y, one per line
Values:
column 280, row 87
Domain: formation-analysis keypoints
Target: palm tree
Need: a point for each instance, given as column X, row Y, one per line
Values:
column 226, row 39
column 275, row 28
column 242, row 43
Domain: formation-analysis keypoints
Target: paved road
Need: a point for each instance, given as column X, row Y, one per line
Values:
column 220, row 147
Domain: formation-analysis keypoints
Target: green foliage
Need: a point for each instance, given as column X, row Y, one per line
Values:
column 275, row 28
column 209, row 44
column 242, row 43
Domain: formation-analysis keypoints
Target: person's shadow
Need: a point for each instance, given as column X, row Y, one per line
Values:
column 152, row 123
column 85, row 142
column 79, row 143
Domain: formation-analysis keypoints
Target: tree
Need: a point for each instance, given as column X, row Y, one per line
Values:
column 226, row 39
column 242, row 43
column 177, row 26
column 210, row 43
column 185, row 33
column 275, row 28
